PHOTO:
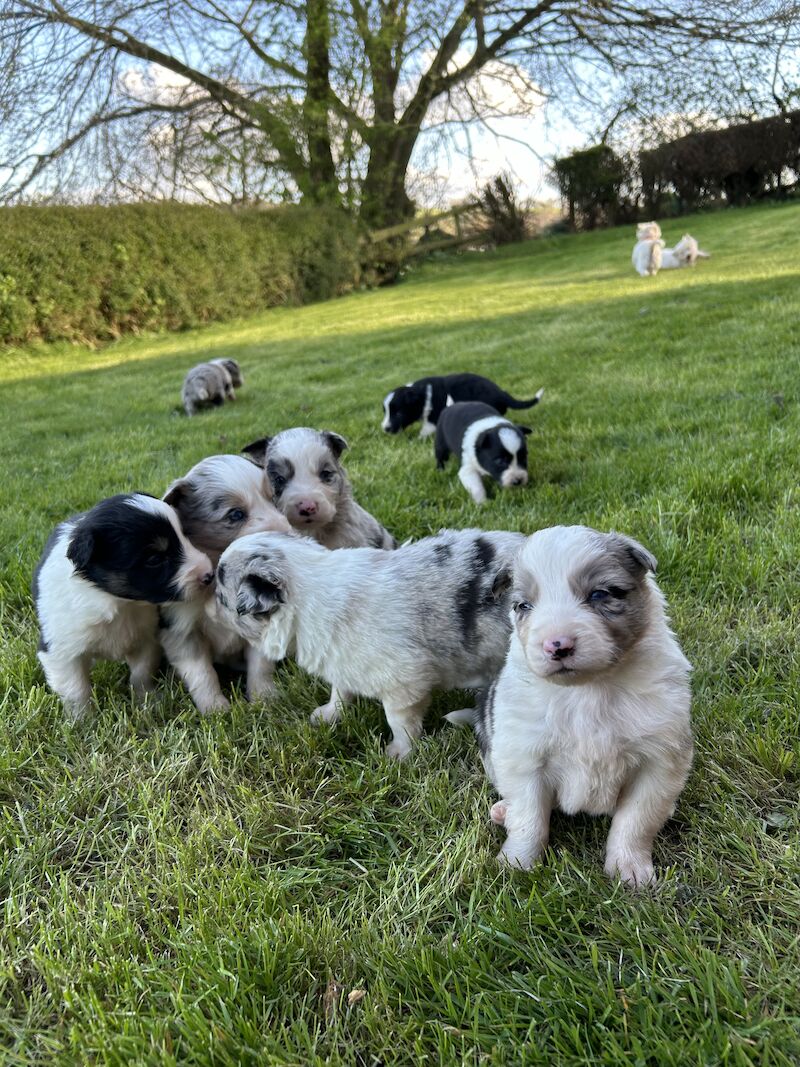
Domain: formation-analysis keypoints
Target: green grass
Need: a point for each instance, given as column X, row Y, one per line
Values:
column 180, row 890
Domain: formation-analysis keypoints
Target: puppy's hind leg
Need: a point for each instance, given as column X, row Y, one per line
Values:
column 70, row 680
column 332, row 711
column 260, row 685
column 442, row 452
column 405, row 722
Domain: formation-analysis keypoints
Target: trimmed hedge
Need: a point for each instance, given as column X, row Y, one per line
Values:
column 593, row 183
column 92, row 273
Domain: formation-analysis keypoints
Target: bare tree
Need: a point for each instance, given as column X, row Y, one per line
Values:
column 326, row 99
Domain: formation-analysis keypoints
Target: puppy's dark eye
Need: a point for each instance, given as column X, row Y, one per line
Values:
column 326, row 475
column 522, row 606
column 598, row 595
column 153, row 559
column 236, row 515
column 278, row 481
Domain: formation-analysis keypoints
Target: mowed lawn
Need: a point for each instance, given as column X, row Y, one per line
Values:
column 246, row 889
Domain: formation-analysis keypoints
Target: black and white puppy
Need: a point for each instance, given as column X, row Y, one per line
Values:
column 219, row 499
column 96, row 586
column 591, row 711
column 308, row 484
column 427, row 398
column 486, row 444
column 393, row 626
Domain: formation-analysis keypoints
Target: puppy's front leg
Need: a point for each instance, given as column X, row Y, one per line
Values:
column 473, row 483
column 70, row 680
column 526, row 807
column 143, row 664
column 260, row 685
column 405, row 722
column 191, row 659
column 644, row 806
column 332, row 711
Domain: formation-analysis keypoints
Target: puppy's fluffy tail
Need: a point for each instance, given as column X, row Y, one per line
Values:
column 463, row 717
column 703, row 255
column 512, row 403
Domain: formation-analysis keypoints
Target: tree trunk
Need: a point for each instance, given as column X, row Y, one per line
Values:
column 322, row 182
column 384, row 200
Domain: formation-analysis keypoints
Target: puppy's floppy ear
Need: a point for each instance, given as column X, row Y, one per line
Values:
column 256, row 451
column 501, row 583
column 81, row 546
column 259, row 595
column 176, row 492
column 523, row 429
column 335, row 442
column 635, row 557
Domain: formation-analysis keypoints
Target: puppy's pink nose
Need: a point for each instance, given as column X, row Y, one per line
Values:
column 559, row 647
column 307, row 508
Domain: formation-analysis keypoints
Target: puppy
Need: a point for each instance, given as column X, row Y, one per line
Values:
column 220, row 499
column 207, row 385
column 685, row 254
column 233, row 368
column 389, row 625
column 96, row 586
column 647, row 252
column 308, row 484
column 427, row 398
column 487, row 445
column 591, row 710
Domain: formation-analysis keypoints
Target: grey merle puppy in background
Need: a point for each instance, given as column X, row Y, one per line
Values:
column 393, row 626
column 207, row 385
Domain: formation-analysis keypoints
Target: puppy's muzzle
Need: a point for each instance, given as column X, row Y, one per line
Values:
column 559, row 648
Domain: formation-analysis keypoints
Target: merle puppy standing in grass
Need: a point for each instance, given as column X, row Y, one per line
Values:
column 427, row 398
column 393, row 626
column 486, row 444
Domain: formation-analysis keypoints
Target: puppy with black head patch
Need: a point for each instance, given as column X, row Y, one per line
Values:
column 219, row 499
column 96, row 586
column 427, row 398
column 487, row 445
column 590, row 712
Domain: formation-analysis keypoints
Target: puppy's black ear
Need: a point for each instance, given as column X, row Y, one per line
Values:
column 523, row 429
column 256, row 451
column 635, row 557
column 258, row 596
column 176, row 492
column 81, row 547
column 335, row 442
column 501, row 584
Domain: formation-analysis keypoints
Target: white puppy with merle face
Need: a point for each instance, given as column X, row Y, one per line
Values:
column 308, row 484
column 591, row 711
column 486, row 444
column 96, row 586
column 393, row 626
column 221, row 498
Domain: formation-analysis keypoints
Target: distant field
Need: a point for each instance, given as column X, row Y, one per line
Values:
column 179, row 890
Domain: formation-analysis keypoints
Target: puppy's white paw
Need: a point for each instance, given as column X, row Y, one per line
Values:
column 330, row 713
column 264, row 691
column 221, row 703
column 497, row 812
column 398, row 749
column 518, row 854
column 635, row 870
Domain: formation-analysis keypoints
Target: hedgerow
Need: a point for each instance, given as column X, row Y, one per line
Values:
column 93, row 273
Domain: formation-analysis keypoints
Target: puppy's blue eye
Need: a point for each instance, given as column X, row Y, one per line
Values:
column 522, row 606
column 236, row 515
column 599, row 594
column 326, row 476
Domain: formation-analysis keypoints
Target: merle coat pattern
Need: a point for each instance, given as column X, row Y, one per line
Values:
column 393, row 626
